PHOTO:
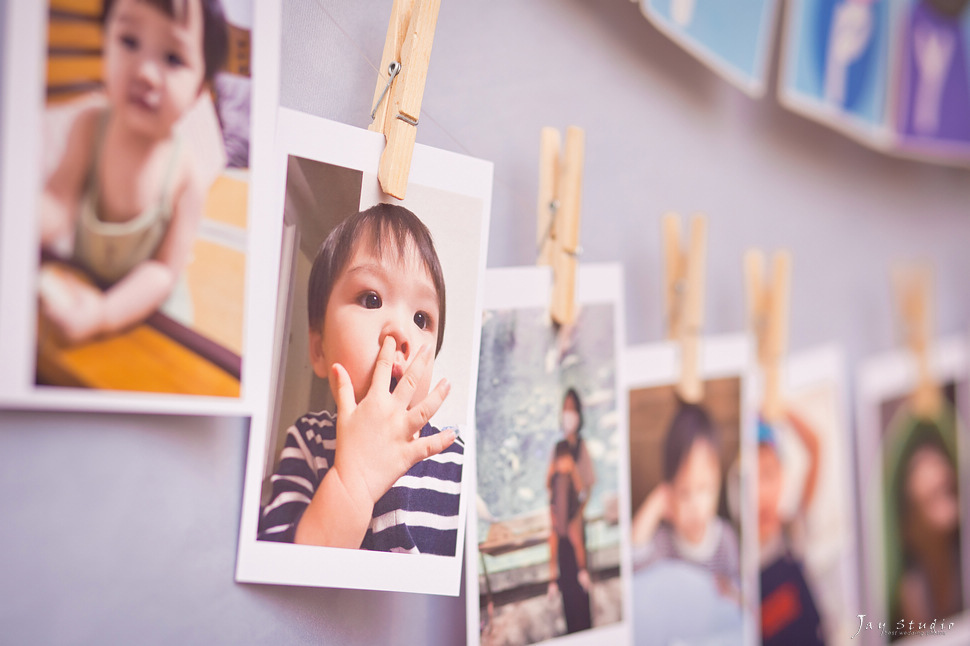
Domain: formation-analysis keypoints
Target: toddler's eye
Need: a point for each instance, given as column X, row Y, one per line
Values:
column 129, row 42
column 370, row 300
column 422, row 320
column 174, row 60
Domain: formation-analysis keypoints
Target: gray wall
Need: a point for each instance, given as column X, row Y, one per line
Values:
column 122, row 529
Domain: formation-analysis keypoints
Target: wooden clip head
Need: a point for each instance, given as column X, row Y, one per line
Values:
column 547, row 203
column 913, row 286
column 398, row 96
column 768, row 313
column 558, row 211
column 684, row 272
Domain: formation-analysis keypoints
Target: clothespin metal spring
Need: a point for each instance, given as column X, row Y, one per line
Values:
column 392, row 71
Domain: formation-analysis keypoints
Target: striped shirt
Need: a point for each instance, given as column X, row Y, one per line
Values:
column 718, row 552
column 419, row 513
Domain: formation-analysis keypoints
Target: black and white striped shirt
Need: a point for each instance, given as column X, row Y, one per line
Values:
column 419, row 513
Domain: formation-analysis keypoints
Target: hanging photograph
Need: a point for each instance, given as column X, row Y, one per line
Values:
column 732, row 38
column 835, row 65
column 694, row 560
column 931, row 79
column 913, row 492
column 547, row 559
column 358, row 461
column 806, row 522
column 125, row 272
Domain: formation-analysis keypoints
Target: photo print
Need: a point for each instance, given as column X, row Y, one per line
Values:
column 931, row 81
column 358, row 462
column 547, row 560
column 806, row 511
column 694, row 565
column 836, row 65
column 125, row 278
column 739, row 54
column 913, row 491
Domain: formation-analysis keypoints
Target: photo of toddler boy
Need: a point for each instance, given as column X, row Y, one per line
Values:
column 375, row 474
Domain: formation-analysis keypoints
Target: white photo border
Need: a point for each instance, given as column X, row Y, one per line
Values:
column 314, row 138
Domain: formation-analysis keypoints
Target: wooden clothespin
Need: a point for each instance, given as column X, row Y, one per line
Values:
column 400, row 88
column 913, row 287
column 558, row 215
column 768, row 313
column 684, row 298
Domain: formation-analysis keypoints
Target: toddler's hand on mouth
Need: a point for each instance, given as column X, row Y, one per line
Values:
column 378, row 438
column 397, row 371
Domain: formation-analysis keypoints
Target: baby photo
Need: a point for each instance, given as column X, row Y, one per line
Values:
column 142, row 217
column 364, row 441
column 550, row 555
column 913, row 489
column 806, row 520
column 692, row 573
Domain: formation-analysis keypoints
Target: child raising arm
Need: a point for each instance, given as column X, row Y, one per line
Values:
column 376, row 445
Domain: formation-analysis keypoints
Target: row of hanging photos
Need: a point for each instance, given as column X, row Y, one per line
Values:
column 396, row 112
column 768, row 291
column 870, row 70
column 558, row 218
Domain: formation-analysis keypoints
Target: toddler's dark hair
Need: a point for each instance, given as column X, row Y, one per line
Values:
column 215, row 31
column 949, row 8
column 690, row 424
column 374, row 227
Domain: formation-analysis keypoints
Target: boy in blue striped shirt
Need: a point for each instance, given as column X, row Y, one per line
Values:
column 376, row 475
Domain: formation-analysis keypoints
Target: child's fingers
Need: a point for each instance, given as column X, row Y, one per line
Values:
column 344, row 391
column 382, row 369
column 412, row 376
column 425, row 447
column 420, row 414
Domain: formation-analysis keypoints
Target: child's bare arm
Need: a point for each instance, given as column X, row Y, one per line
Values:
column 63, row 188
column 809, row 439
column 136, row 296
column 150, row 283
column 651, row 511
column 89, row 312
column 377, row 442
